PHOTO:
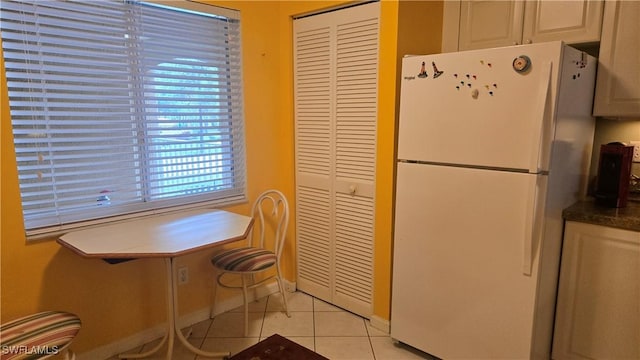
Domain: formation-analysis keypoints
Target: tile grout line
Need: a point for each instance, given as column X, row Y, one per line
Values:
column 366, row 328
column 313, row 323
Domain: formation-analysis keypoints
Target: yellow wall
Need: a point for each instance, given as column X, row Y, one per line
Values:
column 116, row 301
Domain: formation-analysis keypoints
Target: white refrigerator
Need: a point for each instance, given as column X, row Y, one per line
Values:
column 492, row 145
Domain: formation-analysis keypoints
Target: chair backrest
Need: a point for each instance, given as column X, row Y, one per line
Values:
column 271, row 219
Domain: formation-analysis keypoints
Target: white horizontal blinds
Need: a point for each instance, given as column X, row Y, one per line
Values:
column 192, row 95
column 67, row 75
column 112, row 114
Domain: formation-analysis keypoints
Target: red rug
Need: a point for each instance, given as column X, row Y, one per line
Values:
column 276, row 347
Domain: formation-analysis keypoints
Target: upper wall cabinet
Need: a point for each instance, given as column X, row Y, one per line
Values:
column 618, row 84
column 486, row 24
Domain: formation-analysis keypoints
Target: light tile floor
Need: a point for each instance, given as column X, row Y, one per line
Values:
column 334, row 333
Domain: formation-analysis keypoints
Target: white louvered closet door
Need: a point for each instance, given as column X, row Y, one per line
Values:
column 336, row 97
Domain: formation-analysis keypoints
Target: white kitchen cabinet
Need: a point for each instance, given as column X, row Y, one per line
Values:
column 618, row 83
column 487, row 24
column 598, row 308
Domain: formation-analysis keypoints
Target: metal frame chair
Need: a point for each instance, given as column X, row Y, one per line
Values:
column 271, row 216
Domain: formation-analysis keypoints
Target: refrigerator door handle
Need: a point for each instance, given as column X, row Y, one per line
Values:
column 538, row 126
column 534, row 220
column 537, row 187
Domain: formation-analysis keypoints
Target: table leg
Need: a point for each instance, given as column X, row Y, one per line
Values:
column 169, row 334
column 181, row 338
column 173, row 329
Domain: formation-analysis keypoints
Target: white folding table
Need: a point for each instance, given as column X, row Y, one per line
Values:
column 162, row 236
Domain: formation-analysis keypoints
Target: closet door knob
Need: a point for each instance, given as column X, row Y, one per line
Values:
column 352, row 189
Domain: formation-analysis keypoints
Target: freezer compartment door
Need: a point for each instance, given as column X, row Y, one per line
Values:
column 479, row 111
column 466, row 250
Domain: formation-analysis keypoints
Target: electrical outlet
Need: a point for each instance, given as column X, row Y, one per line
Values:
column 183, row 275
column 636, row 150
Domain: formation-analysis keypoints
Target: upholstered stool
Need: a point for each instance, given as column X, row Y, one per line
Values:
column 39, row 336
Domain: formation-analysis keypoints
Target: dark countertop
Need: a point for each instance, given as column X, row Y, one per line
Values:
column 587, row 211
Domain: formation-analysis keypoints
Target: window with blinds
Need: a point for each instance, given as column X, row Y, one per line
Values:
column 122, row 107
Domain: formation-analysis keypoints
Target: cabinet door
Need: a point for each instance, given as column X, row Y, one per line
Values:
column 569, row 21
column 494, row 23
column 598, row 308
column 618, row 85
column 487, row 24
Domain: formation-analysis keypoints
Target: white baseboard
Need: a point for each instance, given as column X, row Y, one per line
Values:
column 290, row 286
column 136, row 340
column 123, row 345
column 236, row 301
column 141, row 338
column 380, row 324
